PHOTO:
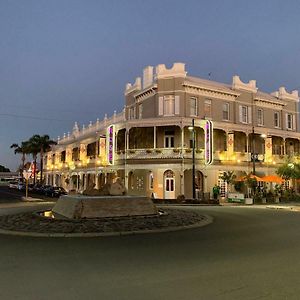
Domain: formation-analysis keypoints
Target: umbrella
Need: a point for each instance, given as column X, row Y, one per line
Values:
column 243, row 178
column 272, row 178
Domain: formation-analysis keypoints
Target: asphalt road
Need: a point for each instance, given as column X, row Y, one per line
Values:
column 247, row 253
column 8, row 195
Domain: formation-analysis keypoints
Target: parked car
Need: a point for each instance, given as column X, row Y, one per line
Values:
column 13, row 185
column 55, row 191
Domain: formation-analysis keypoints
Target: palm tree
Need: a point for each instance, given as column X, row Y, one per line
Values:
column 229, row 178
column 45, row 144
column 33, row 148
column 23, row 149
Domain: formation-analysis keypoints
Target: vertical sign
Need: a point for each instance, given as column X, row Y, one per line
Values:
column 110, row 144
column 208, row 142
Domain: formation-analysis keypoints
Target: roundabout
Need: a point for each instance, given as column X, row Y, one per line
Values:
column 43, row 224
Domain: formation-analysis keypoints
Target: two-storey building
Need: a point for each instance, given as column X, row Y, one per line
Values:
column 149, row 144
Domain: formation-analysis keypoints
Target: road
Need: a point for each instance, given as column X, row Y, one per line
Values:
column 247, row 253
column 8, row 195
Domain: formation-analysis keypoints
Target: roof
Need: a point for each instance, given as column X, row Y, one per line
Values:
column 209, row 84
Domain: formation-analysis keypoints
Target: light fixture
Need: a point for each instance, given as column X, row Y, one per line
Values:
column 263, row 135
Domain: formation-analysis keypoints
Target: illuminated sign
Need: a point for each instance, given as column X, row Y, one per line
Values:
column 110, row 144
column 208, row 142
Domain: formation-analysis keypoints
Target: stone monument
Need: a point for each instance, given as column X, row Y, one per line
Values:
column 109, row 201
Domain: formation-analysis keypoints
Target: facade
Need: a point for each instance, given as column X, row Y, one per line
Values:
column 149, row 144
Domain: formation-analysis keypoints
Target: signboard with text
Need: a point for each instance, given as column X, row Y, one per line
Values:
column 110, row 144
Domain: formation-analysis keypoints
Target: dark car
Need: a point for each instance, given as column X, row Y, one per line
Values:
column 55, row 191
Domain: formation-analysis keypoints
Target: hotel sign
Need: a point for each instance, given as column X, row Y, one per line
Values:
column 207, row 125
column 110, row 144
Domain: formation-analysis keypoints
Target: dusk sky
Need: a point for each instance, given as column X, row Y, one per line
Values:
column 65, row 61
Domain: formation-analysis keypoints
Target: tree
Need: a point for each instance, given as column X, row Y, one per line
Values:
column 4, row 169
column 23, row 149
column 33, row 149
column 289, row 171
column 229, row 178
column 45, row 145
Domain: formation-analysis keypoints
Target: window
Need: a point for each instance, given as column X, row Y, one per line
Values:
column 169, row 139
column 260, row 117
column 151, row 181
column 226, row 111
column 140, row 111
column 75, row 153
column 131, row 113
column 193, row 107
column 207, row 108
column 244, row 114
column 63, row 156
column 169, row 105
column 91, row 149
column 289, row 121
column 276, row 119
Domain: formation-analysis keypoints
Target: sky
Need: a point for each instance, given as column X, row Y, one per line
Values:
column 63, row 61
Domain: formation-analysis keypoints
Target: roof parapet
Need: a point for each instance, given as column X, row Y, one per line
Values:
column 147, row 76
column 137, row 86
column 177, row 70
column 238, row 84
column 284, row 95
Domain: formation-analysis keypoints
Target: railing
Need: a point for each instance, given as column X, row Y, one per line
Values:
column 159, row 153
column 93, row 128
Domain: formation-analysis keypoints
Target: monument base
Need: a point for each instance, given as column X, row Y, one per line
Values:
column 79, row 206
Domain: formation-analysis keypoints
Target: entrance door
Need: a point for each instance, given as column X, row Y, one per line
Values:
column 169, row 188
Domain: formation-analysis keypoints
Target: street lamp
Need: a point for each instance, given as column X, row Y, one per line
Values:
column 192, row 129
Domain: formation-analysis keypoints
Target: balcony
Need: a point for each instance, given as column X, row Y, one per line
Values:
column 159, row 153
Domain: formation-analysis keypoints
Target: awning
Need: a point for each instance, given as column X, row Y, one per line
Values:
column 243, row 178
column 272, row 178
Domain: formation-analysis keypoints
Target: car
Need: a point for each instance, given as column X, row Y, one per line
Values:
column 55, row 191
column 13, row 185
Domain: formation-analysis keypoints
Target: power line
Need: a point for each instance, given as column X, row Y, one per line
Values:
column 34, row 118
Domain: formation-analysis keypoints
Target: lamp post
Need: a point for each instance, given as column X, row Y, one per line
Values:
column 192, row 129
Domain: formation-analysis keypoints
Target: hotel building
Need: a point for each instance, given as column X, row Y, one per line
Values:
column 150, row 145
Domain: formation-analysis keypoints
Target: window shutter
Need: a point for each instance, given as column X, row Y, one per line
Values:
column 241, row 113
column 286, row 121
column 177, row 105
column 294, row 122
column 160, row 106
column 249, row 114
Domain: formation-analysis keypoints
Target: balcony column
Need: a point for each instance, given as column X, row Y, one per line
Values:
column 247, row 147
column 284, row 146
column 154, row 137
column 182, row 138
column 268, row 149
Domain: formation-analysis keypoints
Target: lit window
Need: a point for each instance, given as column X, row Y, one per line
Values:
column 260, row 117
column 193, row 107
column 226, row 111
